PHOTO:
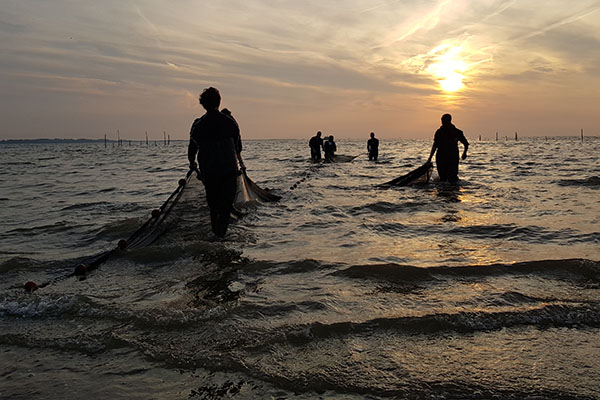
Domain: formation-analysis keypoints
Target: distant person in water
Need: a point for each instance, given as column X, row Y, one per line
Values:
column 445, row 142
column 214, row 141
column 373, row 147
column 329, row 148
column 315, row 143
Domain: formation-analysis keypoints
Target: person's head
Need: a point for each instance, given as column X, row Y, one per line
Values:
column 226, row 111
column 372, row 134
column 210, row 98
column 331, row 138
column 446, row 119
column 319, row 134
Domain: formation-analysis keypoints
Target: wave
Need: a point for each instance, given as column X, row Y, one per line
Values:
column 513, row 232
column 554, row 315
column 119, row 229
column 385, row 207
column 591, row 182
column 82, row 206
column 530, row 233
column 81, row 306
column 282, row 268
column 565, row 269
column 18, row 263
column 558, row 269
column 57, row 227
column 19, row 163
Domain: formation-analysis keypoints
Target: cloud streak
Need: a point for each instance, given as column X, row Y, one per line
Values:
column 362, row 67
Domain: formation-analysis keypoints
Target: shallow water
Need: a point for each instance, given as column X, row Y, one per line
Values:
column 487, row 289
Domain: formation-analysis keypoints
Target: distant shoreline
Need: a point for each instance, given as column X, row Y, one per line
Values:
column 57, row 141
column 126, row 141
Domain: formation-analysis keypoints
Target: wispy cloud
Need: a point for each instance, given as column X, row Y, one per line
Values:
column 332, row 64
column 428, row 22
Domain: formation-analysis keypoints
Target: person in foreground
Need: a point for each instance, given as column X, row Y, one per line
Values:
column 373, row 147
column 329, row 148
column 214, row 141
column 315, row 143
column 445, row 142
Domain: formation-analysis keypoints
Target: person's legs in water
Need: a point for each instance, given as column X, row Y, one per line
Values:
column 447, row 168
column 315, row 154
column 442, row 167
column 223, row 205
column 211, row 189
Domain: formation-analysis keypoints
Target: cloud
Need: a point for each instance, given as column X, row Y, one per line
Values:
column 321, row 62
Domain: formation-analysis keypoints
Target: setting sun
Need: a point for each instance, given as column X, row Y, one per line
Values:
column 447, row 69
column 452, row 82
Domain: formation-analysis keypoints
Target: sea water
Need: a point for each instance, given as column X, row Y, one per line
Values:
column 343, row 290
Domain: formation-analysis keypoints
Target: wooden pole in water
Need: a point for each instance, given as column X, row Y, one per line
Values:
column 165, row 137
column 581, row 135
column 169, row 140
column 146, row 138
column 496, row 136
column 118, row 138
column 105, row 140
column 516, row 138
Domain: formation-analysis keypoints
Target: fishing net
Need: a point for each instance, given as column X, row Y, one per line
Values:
column 184, row 215
column 419, row 175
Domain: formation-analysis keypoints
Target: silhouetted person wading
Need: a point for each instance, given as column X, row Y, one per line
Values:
column 214, row 139
column 445, row 142
column 329, row 148
column 373, row 147
column 315, row 143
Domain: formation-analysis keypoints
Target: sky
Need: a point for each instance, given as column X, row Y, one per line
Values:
column 83, row 69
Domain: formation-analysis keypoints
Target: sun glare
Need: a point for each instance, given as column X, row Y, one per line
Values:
column 452, row 82
column 447, row 70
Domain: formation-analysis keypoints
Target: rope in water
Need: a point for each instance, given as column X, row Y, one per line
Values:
column 305, row 177
column 142, row 236
column 311, row 170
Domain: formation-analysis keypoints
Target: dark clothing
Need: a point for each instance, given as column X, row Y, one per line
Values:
column 329, row 148
column 373, row 148
column 215, row 139
column 446, row 143
column 315, row 143
column 220, row 195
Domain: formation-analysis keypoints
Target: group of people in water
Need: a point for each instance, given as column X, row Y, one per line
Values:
column 316, row 143
column 215, row 149
column 445, row 147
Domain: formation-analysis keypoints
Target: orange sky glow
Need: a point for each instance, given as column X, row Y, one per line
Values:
column 85, row 69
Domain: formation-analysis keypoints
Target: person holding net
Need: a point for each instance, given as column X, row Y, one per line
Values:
column 214, row 144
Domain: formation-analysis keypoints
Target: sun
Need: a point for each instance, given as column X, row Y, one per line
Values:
column 447, row 69
column 452, row 82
